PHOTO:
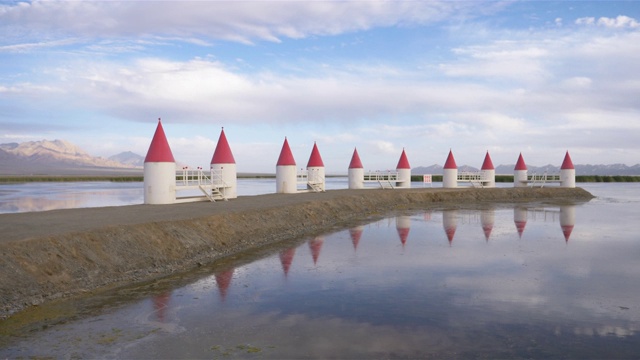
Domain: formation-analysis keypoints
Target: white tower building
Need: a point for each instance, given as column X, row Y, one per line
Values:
column 488, row 172
column 356, row 172
column 520, row 173
column 224, row 165
column 567, row 173
column 315, row 170
column 286, row 174
column 159, row 170
column 404, row 171
column 450, row 175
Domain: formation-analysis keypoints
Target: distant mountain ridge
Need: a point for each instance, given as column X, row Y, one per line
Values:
column 581, row 169
column 58, row 157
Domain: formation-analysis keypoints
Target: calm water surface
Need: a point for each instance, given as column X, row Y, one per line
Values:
column 508, row 282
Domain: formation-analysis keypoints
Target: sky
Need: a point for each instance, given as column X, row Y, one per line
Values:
column 508, row 77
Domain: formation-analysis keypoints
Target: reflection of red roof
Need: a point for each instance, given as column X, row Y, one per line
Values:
column 403, row 163
column 356, row 234
column 450, row 231
column 566, row 231
column 520, row 227
column 222, row 154
column 451, row 162
column 223, row 279
column 159, row 150
column 403, row 233
column 487, row 164
column 520, row 165
column 286, row 258
column 487, row 231
column 286, row 157
column 316, row 245
column 567, row 164
column 355, row 161
column 315, row 160
column 160, row 305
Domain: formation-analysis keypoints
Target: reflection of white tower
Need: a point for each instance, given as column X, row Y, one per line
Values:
column 159, row 170
column 520, row 219
column 315, row 169
column 450, row 223
column 286, row 177
column 567, row 220
column 520, row 173
column 487, row 220
column 356, row 172
column 450, row 172
column 404, row 171
column 403, row 225
column 488, row 172
column 567, row 172
column 224, row 164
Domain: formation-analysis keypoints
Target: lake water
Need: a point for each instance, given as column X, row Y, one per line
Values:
column 506, row 282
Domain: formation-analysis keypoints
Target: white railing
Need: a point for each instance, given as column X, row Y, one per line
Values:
column 377, row 176
column 198, row 177
column 542, row 179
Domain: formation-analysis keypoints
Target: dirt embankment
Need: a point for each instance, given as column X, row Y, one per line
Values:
column 53, row 254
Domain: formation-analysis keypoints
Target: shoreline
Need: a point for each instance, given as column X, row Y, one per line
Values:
column 62, row 253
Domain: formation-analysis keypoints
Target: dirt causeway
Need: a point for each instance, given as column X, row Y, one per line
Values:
column 53, row 254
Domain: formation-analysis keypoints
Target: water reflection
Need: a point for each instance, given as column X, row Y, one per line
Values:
column 500, row 292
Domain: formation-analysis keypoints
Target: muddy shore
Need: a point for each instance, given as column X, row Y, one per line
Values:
column 54, row 254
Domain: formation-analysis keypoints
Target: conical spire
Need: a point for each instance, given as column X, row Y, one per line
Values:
column 567, row 164
column 451, row 162
column 403, row 163
column 315, row 160
column 355, row 160
column 159, row 150
column 286, row 258
column 520, row 165
column 315, row 245
column 286, row 157
column 222, row 154
column 487, row 164
column 223, row 280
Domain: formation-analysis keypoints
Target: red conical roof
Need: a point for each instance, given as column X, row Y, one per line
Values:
column 356, row 234
column 451, row 232
column 487, row 231
column 159, row 150
column 315, row 160
column 403, row 233
column 403, row 163
column 520, row 165
column 223, row 279
column 222, row 154
column 487, row 164
column 286, row 157
column 567, row 164
column 451, row 162
column 520, row 224
column 355, row 161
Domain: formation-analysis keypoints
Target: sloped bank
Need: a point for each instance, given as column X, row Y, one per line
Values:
column 140, row 243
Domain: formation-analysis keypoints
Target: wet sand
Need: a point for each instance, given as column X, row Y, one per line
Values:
column 53, row 254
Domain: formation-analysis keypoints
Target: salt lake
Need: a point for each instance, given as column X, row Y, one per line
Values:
column 525, row 281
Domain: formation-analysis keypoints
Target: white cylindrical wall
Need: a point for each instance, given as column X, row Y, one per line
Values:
column 356, row 178
column 286, row 179
column 450, row 178
column 568, row 178
column 520, row 178
column 229, row 176
column 404, row 178
column 315, row 175
column 159, row 183
column 489, row 175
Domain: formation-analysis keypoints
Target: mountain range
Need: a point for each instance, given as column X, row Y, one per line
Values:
column 60, row 157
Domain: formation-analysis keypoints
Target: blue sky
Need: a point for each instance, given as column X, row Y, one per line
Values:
column 537, row 77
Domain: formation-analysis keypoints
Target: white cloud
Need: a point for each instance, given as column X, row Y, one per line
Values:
column 235, row 21
column 618, row 22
